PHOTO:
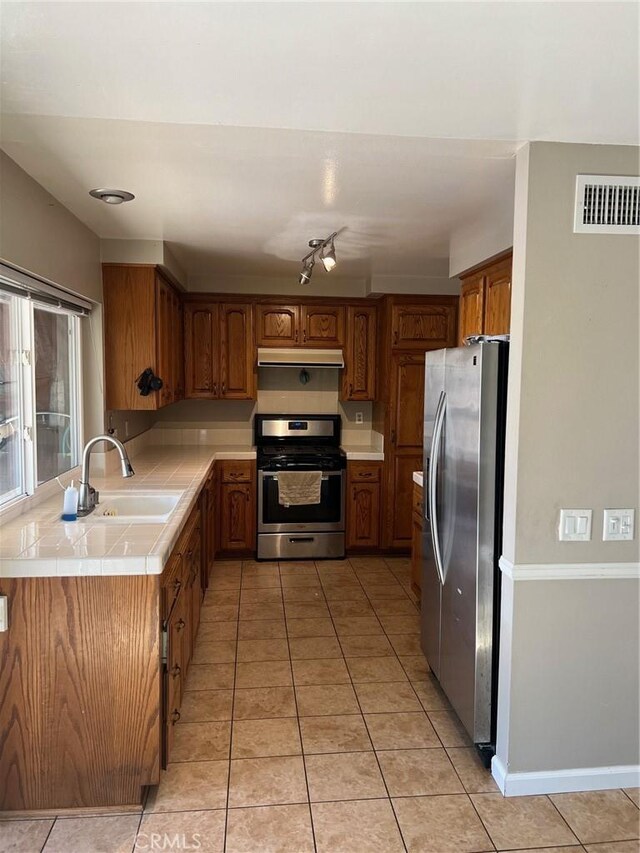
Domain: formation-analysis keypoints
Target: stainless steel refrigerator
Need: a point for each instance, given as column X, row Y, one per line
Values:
column 464, row 425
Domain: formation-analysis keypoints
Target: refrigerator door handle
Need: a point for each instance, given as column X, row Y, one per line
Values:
column 433, row 473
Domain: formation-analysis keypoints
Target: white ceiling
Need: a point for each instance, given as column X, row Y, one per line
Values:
column 244, row 129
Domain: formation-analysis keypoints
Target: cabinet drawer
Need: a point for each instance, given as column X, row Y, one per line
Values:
column 363, row 472
column 418, row 500
column 240, row 471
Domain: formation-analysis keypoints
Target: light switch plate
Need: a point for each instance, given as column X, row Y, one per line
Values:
column 618, row 525
column 575, row 525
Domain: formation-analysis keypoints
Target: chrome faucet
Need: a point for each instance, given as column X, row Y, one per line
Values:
column 87, row 495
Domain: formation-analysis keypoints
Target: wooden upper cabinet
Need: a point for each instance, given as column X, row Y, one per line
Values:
column 497, row 299
column 277, row 325
column 142, row 329
column 219, row 351
column 485, row 300
column 322, row 326
column 201, row 345
column 237, row 352
column 359, row 375
column 471, row 307
column 423, row 326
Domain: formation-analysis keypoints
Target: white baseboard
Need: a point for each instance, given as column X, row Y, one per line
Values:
column 564, row 781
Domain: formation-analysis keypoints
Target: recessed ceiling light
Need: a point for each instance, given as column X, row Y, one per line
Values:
column 112, row 196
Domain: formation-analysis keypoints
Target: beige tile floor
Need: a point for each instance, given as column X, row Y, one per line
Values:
column 311, row 723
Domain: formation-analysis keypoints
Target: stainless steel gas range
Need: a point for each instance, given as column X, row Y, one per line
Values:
column 300, row 443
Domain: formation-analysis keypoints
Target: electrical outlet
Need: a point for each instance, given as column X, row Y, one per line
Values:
column 359, row 418
column 575, row 525
column 618, row 525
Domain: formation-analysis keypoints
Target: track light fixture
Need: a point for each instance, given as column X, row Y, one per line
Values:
column 327, row 252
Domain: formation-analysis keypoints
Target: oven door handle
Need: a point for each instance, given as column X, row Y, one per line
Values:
column 325, row 477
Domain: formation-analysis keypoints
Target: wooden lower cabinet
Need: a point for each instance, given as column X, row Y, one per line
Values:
column 416, row 539
column 80, row 681
column 400, row 497
column 363, row 504
column 237, row 507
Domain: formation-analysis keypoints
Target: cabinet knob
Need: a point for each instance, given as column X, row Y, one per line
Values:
column 393, row 436
column 224, row 388
column 304, row 336
column 395, row 337
column 175, row 716
column 364, row 474
column 180, row 624
column 296, row 336
column 176, row 585
column 215, row 389
column 175, row 672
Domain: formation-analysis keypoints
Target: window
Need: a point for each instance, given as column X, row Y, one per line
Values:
column 40, row 417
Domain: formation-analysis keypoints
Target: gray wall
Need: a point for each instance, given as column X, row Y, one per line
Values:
column 569, row 683
column 40, row 235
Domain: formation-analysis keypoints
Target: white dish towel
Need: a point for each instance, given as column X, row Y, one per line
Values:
column 299, row 488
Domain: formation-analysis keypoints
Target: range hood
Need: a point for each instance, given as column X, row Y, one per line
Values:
column 291, row 357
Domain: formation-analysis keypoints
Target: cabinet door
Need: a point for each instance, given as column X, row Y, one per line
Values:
column 400, row 508
column 237, row 353
column 497, row 307
column 200, row 350
column 237, row 523
column 194, row 557
column 165, row 339
column 322, row 326
column 277, row 325
column 363, row 515
column 423, row 326
column 471, row 307
column 359, row 375
column 130, row 332
column 407, row 400
column 178, row 347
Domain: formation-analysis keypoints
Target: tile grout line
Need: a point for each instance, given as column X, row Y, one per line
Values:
column 302, row 751
column 355, row 693
column 233, row 702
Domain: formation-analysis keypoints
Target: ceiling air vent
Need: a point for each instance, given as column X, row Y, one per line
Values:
column 607, row 204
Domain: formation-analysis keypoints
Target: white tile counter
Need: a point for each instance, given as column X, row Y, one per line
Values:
column 418, row 478
column 363, row 452
column 38, row 544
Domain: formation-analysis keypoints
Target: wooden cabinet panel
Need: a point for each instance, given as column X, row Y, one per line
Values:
column 201, row 347
column 80, row 683
column 129, row 334
column 236, row 470
column 423, row 326
column 178, row 347
column 401, row 497
column 237, row 522
column 277, row 325
column 165, row 339
column 471, row 308
column 363, row 504
column 322, row 326
column 497, row 300
column 407, row 401
column 237, row 356
column 359, row 375
column 363, row 518
column 485, row 300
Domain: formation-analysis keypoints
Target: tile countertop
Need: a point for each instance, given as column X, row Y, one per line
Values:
column 39, row 544
column 363, row 452
column 418, row 478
